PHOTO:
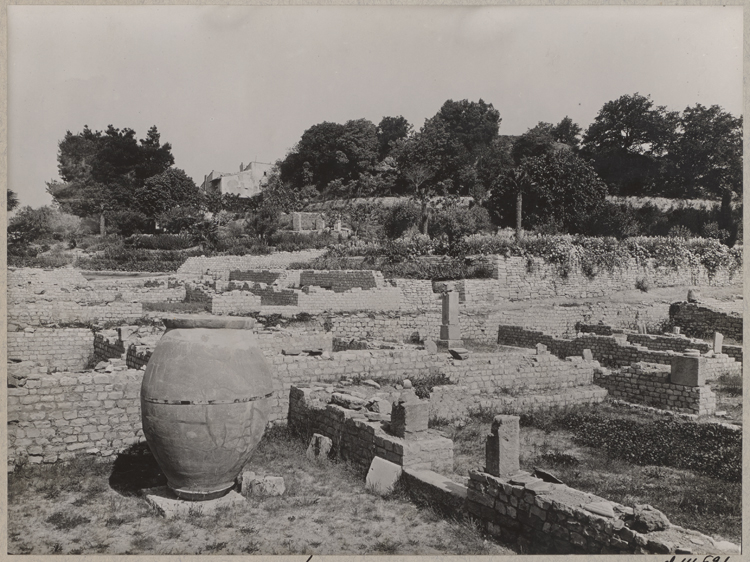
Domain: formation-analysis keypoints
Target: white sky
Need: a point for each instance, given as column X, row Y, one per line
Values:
column 226, row 85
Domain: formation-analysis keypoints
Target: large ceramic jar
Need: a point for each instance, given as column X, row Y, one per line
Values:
column 205, row 403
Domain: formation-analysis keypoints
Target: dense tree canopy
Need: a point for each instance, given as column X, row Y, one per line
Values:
column 627, row 140
column 102, row 171
column 559, row 188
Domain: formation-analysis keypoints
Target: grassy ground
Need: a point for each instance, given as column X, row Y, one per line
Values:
column 177, row 307
column 691, row 500
column 94, row 508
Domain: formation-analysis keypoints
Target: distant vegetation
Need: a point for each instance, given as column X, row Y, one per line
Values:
column 120, row 203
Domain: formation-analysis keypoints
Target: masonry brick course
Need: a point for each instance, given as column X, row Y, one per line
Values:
column 358, row 440
column 50, row 310
column 698, row 319
column 222, row 265
column 650, row 385
column 342, row 280
column 611, row 351
column 57, row 348
column 534, row 279
column 56, row 417
column 554, row 519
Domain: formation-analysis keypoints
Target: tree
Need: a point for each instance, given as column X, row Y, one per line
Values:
column 169, row 189
column 627, row 141
column 101, row 171
column 706, row 160
column 708, row 152
column 557, row 187
column 460, row 134
column 567, row 132
column 12, row 200
column 29, row 225
column 537, row 141
column 330, row 151
column 390, row 130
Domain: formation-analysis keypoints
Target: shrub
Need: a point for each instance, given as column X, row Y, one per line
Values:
column 160, row 241
column 400, row 217
column 643, row 284
column 454, row 222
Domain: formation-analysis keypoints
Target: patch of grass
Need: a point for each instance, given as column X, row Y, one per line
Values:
column 729, row 384
column 386, row 546
column 65, row 521
column 177, row 307
column 692, row 500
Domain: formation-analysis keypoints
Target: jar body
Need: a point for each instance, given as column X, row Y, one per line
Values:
column 205, row 403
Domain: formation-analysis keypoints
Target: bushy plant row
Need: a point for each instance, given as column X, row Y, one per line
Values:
column 592, row 255
column 705, row 448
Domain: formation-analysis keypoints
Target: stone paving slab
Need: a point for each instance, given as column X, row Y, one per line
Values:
column 169, row 505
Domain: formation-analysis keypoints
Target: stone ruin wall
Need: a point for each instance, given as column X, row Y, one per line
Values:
column 700, row 319
column 611, row 351
column 360, row 440
column 542, row 280
column 59, row 412
column 641, row 384
column 220, row 266
column 60, row 349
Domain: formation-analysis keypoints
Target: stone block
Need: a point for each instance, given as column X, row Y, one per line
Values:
column 450, row 332
column 409, row 417
column 459, row 353
column 254, row 485
column 688, row 370
column 541, row 349
column 718, row 342
column 450, row 308
column 431, row 347
column 587, row 355
column 649, row 519
column 319, row 448
column 502, row 448
column 382, row 476
column 164, row 500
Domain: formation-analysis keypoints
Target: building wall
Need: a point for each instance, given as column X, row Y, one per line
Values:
column 653, row 388
column 697, row 319
column 56, row 348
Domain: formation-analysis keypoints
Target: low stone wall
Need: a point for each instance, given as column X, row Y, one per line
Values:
column 523, row 279
column 555, row 519
column 680, row 342
column 312, row 300
column 50, row 310
column 240, row 302
column 697, row 319
column 340, row 281
column 611, row 351
column 222, row 265
column 54, row 417
column 264, row 276
column 651, row 386
column 359, row 440
column 33, row 279
column 57, row 348
column 417, row 294
column 106, row 349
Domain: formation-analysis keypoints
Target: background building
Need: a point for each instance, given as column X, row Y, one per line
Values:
column 249, row 181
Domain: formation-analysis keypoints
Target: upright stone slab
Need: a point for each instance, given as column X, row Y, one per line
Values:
column 409, row 416
column 450, row 331
column 503, row 448
column 688, row 370
column 718, row 342
column 382, row 476
column 296, row 222
column 541, row 349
